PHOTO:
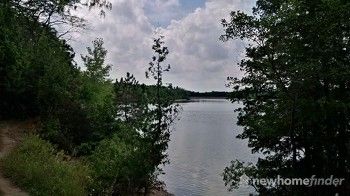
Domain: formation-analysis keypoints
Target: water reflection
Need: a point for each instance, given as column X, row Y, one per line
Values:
column 201, row 146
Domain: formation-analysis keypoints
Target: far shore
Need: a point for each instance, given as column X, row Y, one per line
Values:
column 194, row 99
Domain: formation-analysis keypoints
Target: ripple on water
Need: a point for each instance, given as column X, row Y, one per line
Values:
column 202, row 145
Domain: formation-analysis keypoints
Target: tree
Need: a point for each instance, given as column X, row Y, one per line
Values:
column 32, row 58
column 97, row 96
column 156, row 135
column 31, row 48
column 78, row 110
column 295, row 91
column 95, row 61
column 156, row 70
column 55, row 13
column 78, row 118
column 118, row 165
column 129, row 99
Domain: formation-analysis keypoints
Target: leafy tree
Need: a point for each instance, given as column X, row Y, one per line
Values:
column 96, row 97
column 95, row 61
column 31, row 50
column 33, row 58
column 78, row 116
column 295, row 91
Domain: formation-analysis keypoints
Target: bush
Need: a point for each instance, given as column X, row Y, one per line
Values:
column 37, row 168
column 119, row 167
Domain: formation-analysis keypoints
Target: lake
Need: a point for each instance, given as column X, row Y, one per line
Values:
column 202, row 144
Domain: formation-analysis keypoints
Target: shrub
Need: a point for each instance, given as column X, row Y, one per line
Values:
column 119, row 167
column 36, row 167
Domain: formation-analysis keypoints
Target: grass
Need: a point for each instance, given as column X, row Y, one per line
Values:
column 37, row 168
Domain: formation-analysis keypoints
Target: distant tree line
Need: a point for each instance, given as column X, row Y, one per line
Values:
column 177, row 93
column 212, row 94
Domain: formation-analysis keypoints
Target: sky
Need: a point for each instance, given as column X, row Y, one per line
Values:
column 199, row 60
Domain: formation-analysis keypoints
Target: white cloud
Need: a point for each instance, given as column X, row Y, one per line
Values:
column 199, row 60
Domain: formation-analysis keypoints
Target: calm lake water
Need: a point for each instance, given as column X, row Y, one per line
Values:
column 202, row 144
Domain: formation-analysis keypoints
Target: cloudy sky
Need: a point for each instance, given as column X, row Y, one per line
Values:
column 191, row 28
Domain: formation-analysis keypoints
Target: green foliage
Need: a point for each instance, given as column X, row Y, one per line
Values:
column 55, row 13
column 79, row 123
column 95, row 60
column 295, row 89
column 156, row 132
column 156, row 69
column 119, row 165
column 37, row 72
column 233, row 174
column 37, row 168
column 96, row 98
column 148, row 111
column 34, row 59
column 122, row 128
column 38, row 76
column 130, row 98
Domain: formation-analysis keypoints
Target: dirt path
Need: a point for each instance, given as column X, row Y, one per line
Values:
column 11, row 133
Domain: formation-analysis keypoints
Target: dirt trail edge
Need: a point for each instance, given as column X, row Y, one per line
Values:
column 11, row 133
